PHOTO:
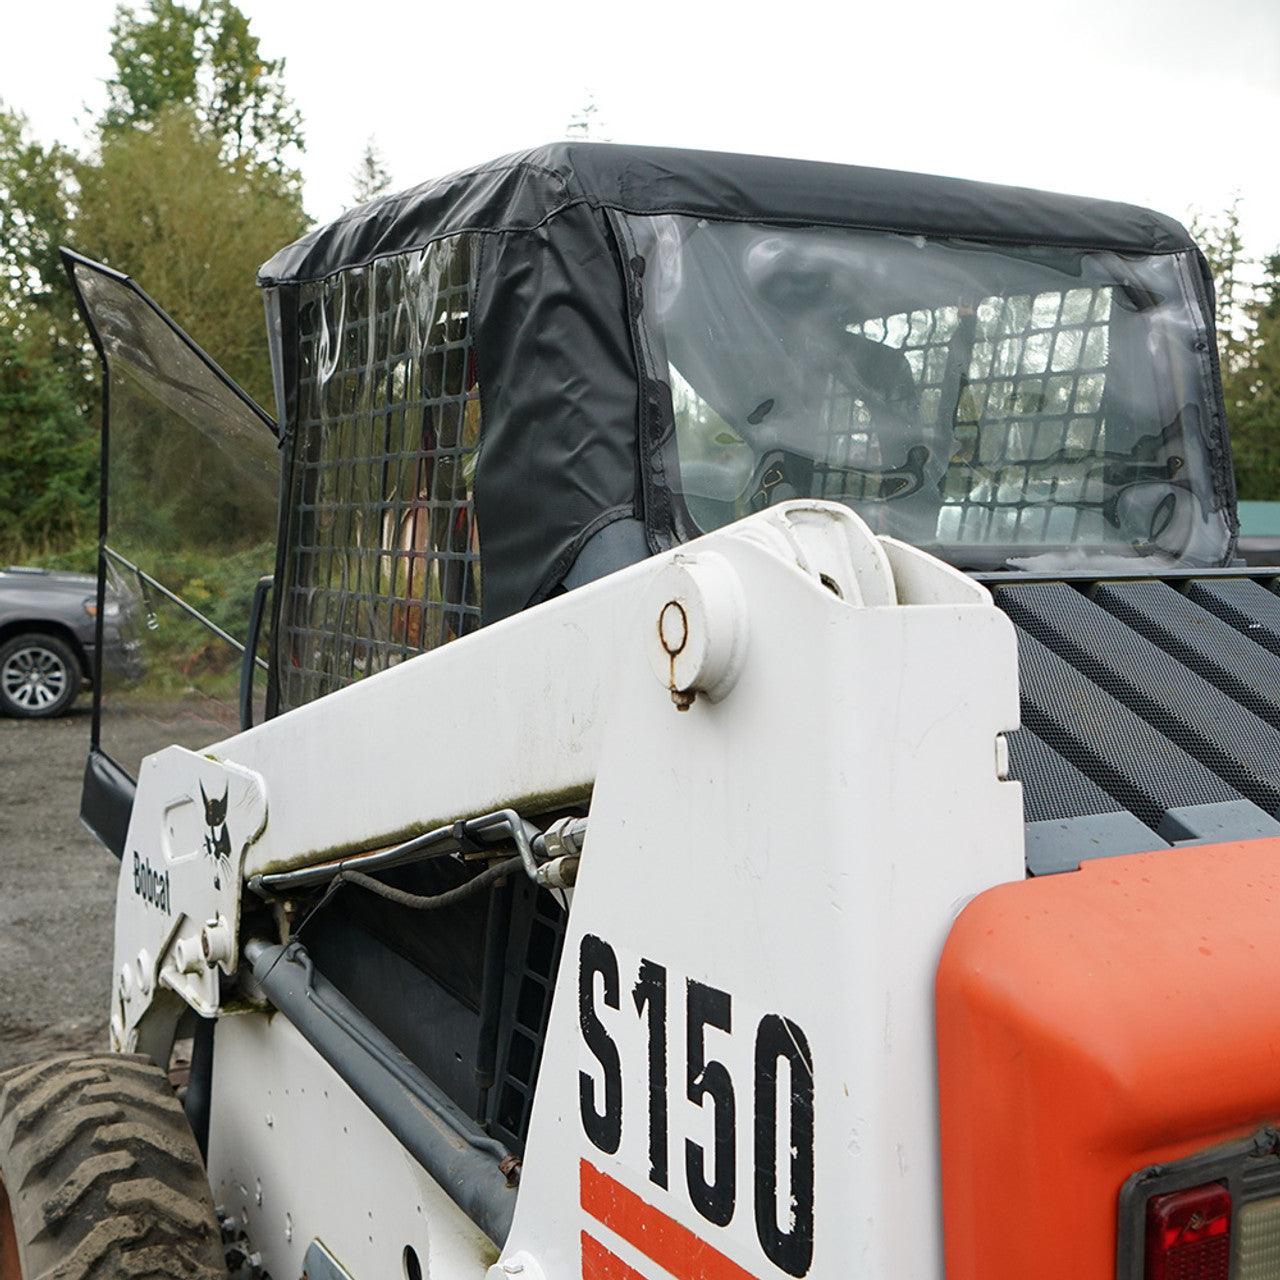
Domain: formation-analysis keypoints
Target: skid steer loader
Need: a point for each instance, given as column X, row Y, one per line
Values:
column 754, row 755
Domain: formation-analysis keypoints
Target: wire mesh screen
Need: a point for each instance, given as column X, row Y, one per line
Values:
column 1020, row 381
column 382, row 552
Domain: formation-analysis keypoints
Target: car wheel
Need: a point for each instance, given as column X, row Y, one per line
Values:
column 99, row 1175
column 39, row 676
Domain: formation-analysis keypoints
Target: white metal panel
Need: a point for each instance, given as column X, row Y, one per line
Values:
column 178, row 896
column 295, row 1156
column 794, row 845
column 801, row 846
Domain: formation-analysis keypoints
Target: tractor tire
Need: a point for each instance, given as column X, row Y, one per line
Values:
column 100, row 1176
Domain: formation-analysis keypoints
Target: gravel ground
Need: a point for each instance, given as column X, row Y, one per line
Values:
column 57, row 883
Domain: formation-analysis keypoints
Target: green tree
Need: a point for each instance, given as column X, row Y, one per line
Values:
column 48, row 457
column 36, row 192
column 1223, row 247
column 156, row 63
column 189, row 188
column 48, row 439
column 1252, row 392
column 371, row 177
column 163, row 205
column 1247, row 314
column 204, row 58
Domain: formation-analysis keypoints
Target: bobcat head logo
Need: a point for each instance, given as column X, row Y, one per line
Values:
column 217, row 841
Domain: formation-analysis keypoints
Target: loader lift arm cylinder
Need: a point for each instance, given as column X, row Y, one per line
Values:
column 491, row 987
column 446, row 1143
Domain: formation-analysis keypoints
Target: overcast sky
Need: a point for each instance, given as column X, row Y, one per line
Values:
column 1174, row 105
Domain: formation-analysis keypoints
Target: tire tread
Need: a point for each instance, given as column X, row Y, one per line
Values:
column 102, row 1173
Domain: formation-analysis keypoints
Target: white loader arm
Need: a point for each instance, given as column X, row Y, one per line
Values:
column 788, row 733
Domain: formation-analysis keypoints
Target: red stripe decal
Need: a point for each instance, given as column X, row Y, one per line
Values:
column 661, row 1239
column 599, row 1264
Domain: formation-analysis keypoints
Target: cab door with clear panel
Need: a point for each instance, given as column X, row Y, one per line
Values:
column 188, row 526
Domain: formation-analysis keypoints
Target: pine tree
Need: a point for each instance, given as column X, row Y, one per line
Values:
column 1252, row 391
column 371, row 177
column 1247, row 314
column 1223, row 247
column 587, row 124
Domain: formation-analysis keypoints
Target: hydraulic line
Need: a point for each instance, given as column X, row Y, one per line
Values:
column 434, row 901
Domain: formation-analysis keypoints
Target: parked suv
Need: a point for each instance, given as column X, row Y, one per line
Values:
column 48, row 628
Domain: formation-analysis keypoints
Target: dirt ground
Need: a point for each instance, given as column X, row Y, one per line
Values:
column 57, row 883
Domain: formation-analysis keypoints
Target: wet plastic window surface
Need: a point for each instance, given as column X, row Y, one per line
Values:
column 191, row 498
column 382, row 553
column 1002, row 407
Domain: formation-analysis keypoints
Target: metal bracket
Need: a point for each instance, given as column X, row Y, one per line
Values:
column 320, row 1264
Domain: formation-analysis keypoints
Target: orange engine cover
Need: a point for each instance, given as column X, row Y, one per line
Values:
column 1093, row 1023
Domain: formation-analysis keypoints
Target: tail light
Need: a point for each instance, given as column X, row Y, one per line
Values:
column 1212, row 1216
column 1188, row 1234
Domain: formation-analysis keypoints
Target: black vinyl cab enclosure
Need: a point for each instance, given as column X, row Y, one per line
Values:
column 586, row 353
column 505, row 383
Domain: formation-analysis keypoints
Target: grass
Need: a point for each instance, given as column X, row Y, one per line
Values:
column 183, row 655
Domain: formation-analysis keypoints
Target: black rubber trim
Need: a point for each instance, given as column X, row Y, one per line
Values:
column 248, row 663
column 106, row 800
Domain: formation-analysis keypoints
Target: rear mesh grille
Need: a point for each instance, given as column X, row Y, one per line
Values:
column 1108, row 743
column 1150, row 698
column 1229, row 657
column 1248, row 606
column 1133, row 713
column 1052, row 787
column 533, row 959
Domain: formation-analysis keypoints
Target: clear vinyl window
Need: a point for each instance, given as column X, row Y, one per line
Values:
column 997, row 405
column 191, row 496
